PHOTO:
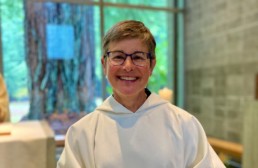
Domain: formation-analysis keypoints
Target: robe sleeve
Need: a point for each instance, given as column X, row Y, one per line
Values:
column 198, row 151
column 70, row 156
column 79, row 144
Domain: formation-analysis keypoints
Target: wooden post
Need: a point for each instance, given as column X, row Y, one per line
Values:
column 256, row 87
column 250, row 138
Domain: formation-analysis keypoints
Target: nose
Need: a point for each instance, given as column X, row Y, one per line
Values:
column 128, row 64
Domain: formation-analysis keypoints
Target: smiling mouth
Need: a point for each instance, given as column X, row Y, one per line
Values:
column 127, row 78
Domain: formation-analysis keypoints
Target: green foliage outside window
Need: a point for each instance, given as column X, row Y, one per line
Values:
column 15, row 70
column 13, row 54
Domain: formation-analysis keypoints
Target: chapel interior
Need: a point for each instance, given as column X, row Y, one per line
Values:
column 207, row 64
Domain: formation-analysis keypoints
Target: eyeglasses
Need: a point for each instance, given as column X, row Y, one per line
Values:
column 138, row 58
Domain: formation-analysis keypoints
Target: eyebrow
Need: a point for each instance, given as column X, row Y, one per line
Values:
column 127, row 53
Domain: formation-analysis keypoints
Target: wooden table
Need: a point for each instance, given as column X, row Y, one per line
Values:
column 232, row 149
column 30, row 144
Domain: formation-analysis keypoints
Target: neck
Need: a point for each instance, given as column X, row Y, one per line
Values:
column 132, row 103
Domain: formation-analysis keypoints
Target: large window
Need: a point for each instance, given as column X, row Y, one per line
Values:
column 51, row 51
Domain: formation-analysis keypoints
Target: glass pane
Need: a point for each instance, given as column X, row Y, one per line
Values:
column 154, row 3
column 15, row 69
column 161, row 33
column 61, row 58
column 57, row 53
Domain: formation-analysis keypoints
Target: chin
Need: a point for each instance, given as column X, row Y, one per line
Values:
column 130, row 92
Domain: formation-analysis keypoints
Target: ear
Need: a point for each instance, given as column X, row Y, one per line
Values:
column 152, row 65
column 103, row 62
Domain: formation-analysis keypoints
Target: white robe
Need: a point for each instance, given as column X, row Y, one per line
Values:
column 157, row 135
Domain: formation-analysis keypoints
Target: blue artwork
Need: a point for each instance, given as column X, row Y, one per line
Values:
column 60, row 41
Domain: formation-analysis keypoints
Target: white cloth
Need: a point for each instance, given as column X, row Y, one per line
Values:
column 157, row 135
column 31, row 144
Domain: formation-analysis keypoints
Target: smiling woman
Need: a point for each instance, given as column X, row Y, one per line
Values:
column 135, row 127
column 129, row 80
column 162, row 73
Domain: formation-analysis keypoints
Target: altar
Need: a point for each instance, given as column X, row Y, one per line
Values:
column 28, row 144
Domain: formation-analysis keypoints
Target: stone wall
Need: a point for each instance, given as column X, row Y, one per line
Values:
column 221, row 62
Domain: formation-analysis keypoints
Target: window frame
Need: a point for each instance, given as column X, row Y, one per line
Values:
column 176, row 60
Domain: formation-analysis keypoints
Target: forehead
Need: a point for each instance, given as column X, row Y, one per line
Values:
column 128, row 45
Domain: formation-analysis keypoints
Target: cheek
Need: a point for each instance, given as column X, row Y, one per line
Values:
column 149, row 72
column 153, row 63
column 109, row 70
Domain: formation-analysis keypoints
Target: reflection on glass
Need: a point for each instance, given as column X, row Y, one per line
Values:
column 60, row 41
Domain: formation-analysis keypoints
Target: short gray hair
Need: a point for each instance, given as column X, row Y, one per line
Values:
column 130, row 29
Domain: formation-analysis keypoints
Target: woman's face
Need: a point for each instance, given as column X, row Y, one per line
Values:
column 128, row 79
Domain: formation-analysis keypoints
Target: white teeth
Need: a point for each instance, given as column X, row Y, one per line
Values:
column 128, row 78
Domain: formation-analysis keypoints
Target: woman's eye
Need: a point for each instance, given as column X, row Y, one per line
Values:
column 138, row 58
column 118, row 57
